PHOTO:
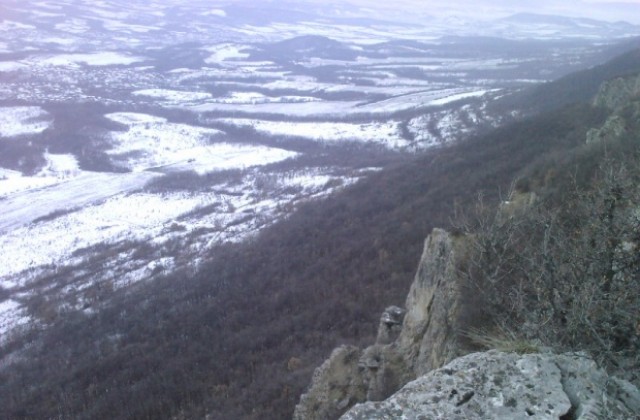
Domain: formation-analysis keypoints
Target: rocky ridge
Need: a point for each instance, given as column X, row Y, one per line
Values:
column 413, row 350
column 408, row 344
column 497, row 385
column 621, row 95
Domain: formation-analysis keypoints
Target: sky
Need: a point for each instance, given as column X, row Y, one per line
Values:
column 609, row 10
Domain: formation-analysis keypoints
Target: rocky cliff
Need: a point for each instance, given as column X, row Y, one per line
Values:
column 618, row 92
column 408, row 344
column 496, row 385
column 622, row 96
column 414, row 343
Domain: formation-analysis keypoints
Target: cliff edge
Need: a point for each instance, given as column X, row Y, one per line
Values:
column 409, row 343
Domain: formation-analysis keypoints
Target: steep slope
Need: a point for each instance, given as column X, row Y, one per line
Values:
column 240, row 339
column 574, row 88
column 554, row 267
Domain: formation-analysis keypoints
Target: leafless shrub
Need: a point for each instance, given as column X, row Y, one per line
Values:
column 566, row 275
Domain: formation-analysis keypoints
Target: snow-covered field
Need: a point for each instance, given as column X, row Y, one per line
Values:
column 153, row 217
column 224, row 52
column 22, row 120
column 133, row 89
column 341, row 109
column 12, row 315
column 221, row 156
column 57, row 168
column 107, row 58
column 173, row 95
column 387, row 133
column 153, row 142
column 23, row 207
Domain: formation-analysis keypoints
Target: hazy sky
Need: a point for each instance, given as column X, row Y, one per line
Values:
column 597, row 9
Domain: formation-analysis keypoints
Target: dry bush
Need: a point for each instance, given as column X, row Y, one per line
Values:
column 566, row 275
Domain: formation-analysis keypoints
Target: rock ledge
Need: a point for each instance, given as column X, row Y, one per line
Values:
column 497, row 385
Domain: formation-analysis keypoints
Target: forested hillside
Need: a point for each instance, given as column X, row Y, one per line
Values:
column 241, row 338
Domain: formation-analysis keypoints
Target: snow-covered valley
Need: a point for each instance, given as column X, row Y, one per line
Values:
column 132, row 144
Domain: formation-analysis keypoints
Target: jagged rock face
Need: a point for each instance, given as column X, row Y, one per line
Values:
column 429, row 334
column 407, row 345
column 613, row 128
column 496, row 385
column 390, row 325
column 383, row 370
column 336, row 385
column 618, row 92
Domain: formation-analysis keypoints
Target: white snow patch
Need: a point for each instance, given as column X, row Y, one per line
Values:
column 223, row 52
column 60, row 166
column 216, row 12
column 132, row 216
column 173, row 95
column 60, row 41
column 152, row 141
column 22, row 120
column 387, row 133
column 117, row 26
column 9, row 66
column 107, row 58
column 10, row 25
column 74, row 26
column 258, row 98
column 457, row 97
column 12, row 314
column 135, row 118
column 221, row 156
column 23, row 207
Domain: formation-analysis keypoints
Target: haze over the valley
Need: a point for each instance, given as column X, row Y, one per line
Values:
column 419, row 10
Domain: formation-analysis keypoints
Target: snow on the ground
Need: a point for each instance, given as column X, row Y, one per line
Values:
column 308, row 85
column 173, row 95
column 12, row 314
column 215, row 12
column 151, row 142
column 12, row 182
column 23, row 207
column 9, row 66
column 135, row 118
column 341, row 109
column 58, row 168
column 253, row 98
column 224, row 52
column 387, row 133
column 122, row 27
column 221, row 156
column 457, row 97
column 58, row 40
column 74, row 26
column 132, row 216
column 107, row 58
column 21, row 120
column 10, row 25
column 305, row 109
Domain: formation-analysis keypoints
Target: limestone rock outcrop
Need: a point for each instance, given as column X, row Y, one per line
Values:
column 613, row 128
column 407, row 345
column 618, row 92
column 497, row 385
column 429, row 336
column 336, row 385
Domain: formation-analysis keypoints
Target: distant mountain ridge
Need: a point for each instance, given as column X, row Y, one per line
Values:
column 535, row 18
